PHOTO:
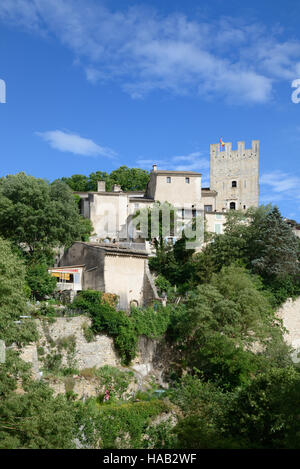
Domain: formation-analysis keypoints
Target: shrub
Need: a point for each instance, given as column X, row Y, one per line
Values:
column 115, row 380
column 87, row 332
column 39, row 281
column 124, row 329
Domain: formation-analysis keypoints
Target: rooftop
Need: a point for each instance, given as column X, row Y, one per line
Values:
column 118, row 248
column 175, row 173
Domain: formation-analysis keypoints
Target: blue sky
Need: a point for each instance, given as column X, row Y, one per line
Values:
column 92, row 85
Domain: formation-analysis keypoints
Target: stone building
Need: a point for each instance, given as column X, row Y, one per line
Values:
column 108, row 268
column 234, row 184
column 116, row 258
column 234, row 175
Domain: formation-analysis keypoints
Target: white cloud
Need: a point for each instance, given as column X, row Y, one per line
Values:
column 282, row 182
column 190, row 162
column 278, row 186
column 143, row 50
column 73, row 143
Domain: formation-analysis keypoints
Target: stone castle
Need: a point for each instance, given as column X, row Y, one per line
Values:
column 116, row 258
column 234, row 175
column 234, row 184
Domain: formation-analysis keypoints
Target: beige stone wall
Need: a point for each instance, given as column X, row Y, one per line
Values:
column 242, row 166
column 215, row 222
column 290, row 315
column 146, row 366
column 177, row 192
column 98, row 353
column 124, row 276
column 109, row 213
column 209, row 200
column 296, row 233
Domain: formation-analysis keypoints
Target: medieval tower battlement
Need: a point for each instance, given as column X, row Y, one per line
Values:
column 234, row 175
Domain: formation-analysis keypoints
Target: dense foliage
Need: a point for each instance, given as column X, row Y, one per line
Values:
column 130, row 179
column 123, row 328
column 30, row 417
column 259, row 239
column 37, row 215
column 121, row 425
column 38, row 218
column 232, row 383
column 13, row 298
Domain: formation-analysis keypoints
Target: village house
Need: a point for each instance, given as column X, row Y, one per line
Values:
column 116, row 258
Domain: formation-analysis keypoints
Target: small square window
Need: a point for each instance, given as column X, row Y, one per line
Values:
column 168, row 179
column 187, row 180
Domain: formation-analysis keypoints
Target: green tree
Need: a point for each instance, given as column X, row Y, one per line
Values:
column 77, row 182
column 218, row 324
column 37, row 420
column 130, row 179
column 266, row 412
column 275, row 249
column 36, row 215
column 93, row 179
column 13, row 299
column 40, row 281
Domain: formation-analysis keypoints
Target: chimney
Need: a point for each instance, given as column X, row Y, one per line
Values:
column 154, row 167
column 101, row 186
column 117, row 188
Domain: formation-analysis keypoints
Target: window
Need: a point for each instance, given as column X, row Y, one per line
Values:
column 182, row 213
column 218, row 228
column 232, row 205
column 218, row 216
column 208, row 208
column 63, row 277
column 234, row 184
column 244, row 207
column 194, row 213
column 168, row 180
column 187, row 180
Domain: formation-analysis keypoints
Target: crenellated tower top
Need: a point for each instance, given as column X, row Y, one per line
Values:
column 234, row 174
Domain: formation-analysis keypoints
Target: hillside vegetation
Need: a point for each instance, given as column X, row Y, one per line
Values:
column 232, row 383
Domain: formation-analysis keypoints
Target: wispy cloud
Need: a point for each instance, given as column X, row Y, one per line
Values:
column 278, row 186
column 282, row 182
column 190, row 162
column 143, row 50
column 73, row 143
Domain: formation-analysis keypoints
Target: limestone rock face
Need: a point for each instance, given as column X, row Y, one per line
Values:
column 85, row 355
column 290, row 315
column 97, row 353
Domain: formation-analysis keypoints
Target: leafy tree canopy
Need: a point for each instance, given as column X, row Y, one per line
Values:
column 130, row 179
column 12, row 298
column 37, row 215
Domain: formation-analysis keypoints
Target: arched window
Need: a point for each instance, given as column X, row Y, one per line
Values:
column 232, row 205
column 134, row 303
column 234, row 184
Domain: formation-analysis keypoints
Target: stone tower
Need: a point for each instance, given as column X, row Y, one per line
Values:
column 234, row 175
